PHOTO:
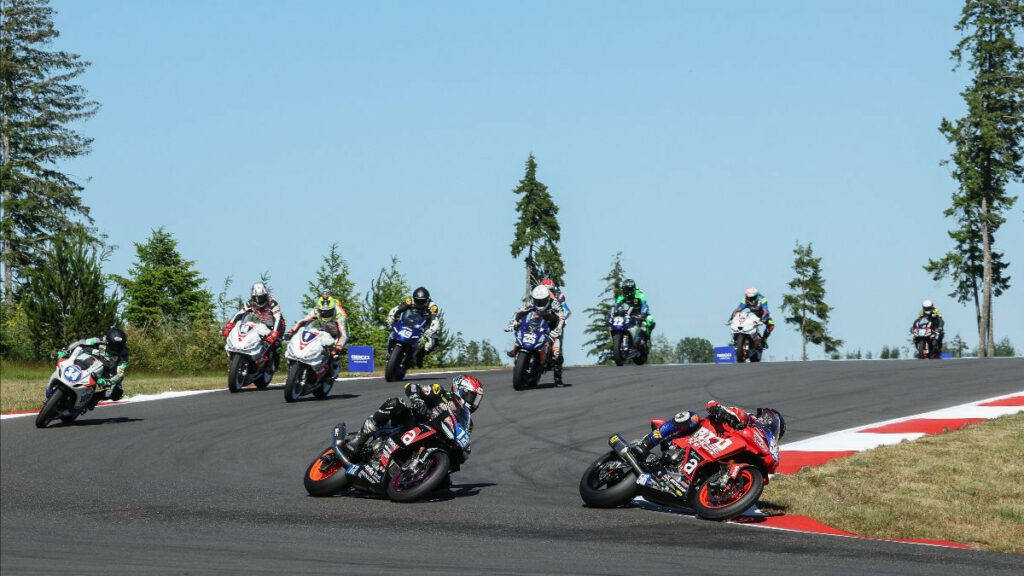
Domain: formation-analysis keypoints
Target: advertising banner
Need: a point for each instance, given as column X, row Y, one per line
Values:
column 725, row 355
column 360, row 358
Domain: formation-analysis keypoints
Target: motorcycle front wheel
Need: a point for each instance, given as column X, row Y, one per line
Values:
column 395, row 369
column 741, row 348
column 324, row 388
column 325, row 476
column 406, row 487
column 618, row 354
column 54, row 404
column 724, row 502
column 238, row 373
column 608, row 482
column 521, row 373
column 296, row 378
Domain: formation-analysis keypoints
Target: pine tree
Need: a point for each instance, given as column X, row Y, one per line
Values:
column 489, row 354
column 385, row 293
column 39, row 104
column 537, row 230
column 332, row 278
column 806, row 306
column 600, row 343
column 162, row 287
column 67, row 297
column 662, row 351
column 988, row 150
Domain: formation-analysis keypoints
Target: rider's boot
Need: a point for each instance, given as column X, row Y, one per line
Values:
column 558, row 374
column 115, row 393
column 642, row 448
column 356, row 444
column 764, row 343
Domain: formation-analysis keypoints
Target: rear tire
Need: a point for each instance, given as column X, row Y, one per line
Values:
column 237, row 373
column 716, row 506
column 521, row 373
column 435, row 477
column 616, row 490
column 396, row 363
column 53, row 405
column 617, row 354
column 293, row 386
column 328, row 481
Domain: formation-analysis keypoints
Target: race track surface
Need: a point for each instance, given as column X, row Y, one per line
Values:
column 213, row 483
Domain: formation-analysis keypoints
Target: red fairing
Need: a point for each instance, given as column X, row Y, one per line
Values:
column 719, row 442
column 656, row 423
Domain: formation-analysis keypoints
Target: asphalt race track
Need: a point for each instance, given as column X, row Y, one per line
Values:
column 213, row 482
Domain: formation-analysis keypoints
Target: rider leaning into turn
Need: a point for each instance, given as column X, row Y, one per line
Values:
column 685, row 423
column 929, row 311
column 112, row 348
column 634, row 297
column 263, row 306
column 421, row 302
column 545, row 305
column 758, row 304
column 465, row 391
column 330, row 316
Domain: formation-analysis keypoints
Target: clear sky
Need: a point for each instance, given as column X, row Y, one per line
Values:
column 700, row 139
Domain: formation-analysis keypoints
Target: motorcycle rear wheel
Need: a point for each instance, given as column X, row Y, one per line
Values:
column 238, row 373
column 402, row 488
column 50, row 408
column 325, row 476
column 605, row 484
column 617, row 354
column 729, row 502
column 293, row 386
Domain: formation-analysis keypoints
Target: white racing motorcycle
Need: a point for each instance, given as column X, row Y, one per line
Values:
column 745, row 336
column 309, row 365
column 250, row 355
column 72, row 388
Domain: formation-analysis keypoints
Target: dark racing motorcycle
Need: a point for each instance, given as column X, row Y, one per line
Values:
column 404, row 344
column 403, row 463
column 533, row 351
column 628, row 339
column 926, row 339
column 718, row 471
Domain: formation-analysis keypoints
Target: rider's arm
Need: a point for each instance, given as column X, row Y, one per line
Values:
column 435, row 321
column 83, row 342
column 278, row 328
column 644, row 308
column 402, row 306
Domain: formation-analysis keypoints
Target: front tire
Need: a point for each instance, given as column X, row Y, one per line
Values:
column 741, row 348
column 617, row 354
column 324, row 388
column 293, row 386
column 325, row 476
column 395, row 369
column 402, row 488
column 922, row 349
column 712, row 503
column 608, row 483
column 238, row 373
column 521, row 373
column 53, row 404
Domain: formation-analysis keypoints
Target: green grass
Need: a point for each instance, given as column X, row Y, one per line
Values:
column 22, row 384
column 964, row 486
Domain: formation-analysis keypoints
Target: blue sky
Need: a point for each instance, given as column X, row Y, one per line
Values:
column 702, row 140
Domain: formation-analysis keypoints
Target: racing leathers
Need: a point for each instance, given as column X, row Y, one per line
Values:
column 759, row 309
column 270, row 315
column 432, row 315
column 422, row 400
column 555, row 316
column 114, row 364
column 336, row 327
column 937, row 323
column 685, row 423
column 638, row 301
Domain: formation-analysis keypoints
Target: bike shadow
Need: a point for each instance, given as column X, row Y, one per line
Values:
column 752, row 515
column 456, row 491
column 343, row 396
column 99, row 422
column 547, row 386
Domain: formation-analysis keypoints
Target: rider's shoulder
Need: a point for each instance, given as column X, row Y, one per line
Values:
column 407, row 301
column 433, row 308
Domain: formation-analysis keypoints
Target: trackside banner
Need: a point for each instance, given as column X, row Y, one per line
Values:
column 725, row 355
column 360, row 358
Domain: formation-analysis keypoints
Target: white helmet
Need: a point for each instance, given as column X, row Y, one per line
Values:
column 928, row 306
column 259, row 296
column 541, row 298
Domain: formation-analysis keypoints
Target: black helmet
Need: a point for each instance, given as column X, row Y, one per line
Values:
column 421, row 297
column 772, row 419
column 116, row 340
column 628, row 287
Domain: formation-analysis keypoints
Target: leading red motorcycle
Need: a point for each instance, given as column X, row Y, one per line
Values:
column 718, row 470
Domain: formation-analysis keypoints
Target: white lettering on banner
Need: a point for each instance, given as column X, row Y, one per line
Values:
column 360, row 357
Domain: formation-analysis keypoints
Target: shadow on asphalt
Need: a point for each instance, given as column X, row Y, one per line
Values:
column 548, row 385
column 100, row 421
column 458, row 491
column 312, row 398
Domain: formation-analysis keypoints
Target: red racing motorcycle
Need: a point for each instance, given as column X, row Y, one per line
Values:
column 718, row 470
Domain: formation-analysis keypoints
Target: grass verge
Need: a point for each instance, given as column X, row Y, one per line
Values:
column 22, row 385
column 963, row 486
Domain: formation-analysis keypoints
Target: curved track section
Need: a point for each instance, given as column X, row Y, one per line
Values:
column 213, row 482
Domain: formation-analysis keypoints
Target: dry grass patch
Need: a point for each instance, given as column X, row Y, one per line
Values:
column 965, row 486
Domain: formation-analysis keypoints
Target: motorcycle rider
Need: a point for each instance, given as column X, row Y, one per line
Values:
column 685, row 423
column 329, row 316
column 112, row 349
column 466, row 391
column 758, row 304
column 421, row 302
column 934, row 315
column 635, row 298
column 263, row 306
column 545, row 305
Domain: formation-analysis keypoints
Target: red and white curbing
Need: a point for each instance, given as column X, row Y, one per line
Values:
column 818, row 450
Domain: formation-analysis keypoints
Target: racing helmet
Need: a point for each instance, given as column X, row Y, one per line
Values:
column 928, row 306
column 548, row 282
column 116, row 340
column 468, row 390
column 420, row 297
column 541, row 298
column 326, row 306
column 772, row 419
column 259, row 296
column 751, row 295
column 628, row 288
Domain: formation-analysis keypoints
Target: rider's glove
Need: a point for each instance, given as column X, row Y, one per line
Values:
column 272, row 337
column 227, row 329
column 288, row 334
column 62, row 353
column 510, row 326
column 103, row 382
column 556, row 334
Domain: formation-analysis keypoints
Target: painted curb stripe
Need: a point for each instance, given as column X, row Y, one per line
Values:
column 791, row 461
column 1011, row 401
column 925, row 425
